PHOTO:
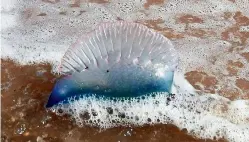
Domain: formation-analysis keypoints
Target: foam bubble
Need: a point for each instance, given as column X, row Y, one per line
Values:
column 244, row 28
column 203, row 115
column 38, row 27
column 8, row 5
column 29, row 38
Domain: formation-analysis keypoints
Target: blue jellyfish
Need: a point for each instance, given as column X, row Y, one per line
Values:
column 117, row 60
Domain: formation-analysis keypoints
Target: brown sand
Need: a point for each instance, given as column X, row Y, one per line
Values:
column 25, row 90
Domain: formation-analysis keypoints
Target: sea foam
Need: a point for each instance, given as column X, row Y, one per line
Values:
column 29, row 38
column 203, row 115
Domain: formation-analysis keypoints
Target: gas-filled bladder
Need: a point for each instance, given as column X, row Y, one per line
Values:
column 116, row 60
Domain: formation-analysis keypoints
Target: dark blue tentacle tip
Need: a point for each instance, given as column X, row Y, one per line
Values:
column 49, row 104
column 51, row 101
column 61, row 91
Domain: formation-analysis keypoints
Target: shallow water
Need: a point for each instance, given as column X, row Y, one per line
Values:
column 211, row 37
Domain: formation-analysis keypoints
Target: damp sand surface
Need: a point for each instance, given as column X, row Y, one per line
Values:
column 212, row 43
column 25, row 90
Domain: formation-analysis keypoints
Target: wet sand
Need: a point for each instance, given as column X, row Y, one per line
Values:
column 25, row 90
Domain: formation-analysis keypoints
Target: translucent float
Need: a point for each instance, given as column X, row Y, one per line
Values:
column 117, row 60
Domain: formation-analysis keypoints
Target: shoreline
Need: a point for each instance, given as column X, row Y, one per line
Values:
column 212, row 39
column 24, row 116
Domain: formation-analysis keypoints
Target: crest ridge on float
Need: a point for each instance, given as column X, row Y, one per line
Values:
column 117, row 60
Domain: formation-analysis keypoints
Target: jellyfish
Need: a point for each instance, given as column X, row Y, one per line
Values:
column 116, row 60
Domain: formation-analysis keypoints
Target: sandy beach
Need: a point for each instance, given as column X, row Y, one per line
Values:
column 24, row 117
column 212, row 39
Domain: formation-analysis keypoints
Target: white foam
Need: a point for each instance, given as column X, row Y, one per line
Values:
column 27, row 38
column 9, row 21
column 244, row 28
column 23, row 31
column 205, row 115
column 8, row 5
